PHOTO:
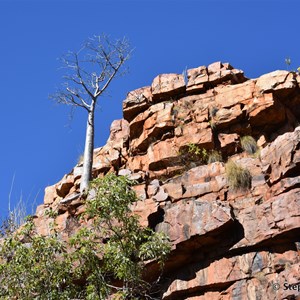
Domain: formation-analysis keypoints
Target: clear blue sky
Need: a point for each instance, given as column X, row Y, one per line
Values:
column 39, row 144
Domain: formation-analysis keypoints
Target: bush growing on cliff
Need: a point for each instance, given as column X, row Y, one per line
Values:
column 238, row 178
column 35, row 267
column 249, row 144
column 201, row 155
column 106, row 258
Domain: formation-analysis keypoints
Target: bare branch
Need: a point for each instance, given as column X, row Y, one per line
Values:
column 81, row 81
column 76, row 94
column 66, row 98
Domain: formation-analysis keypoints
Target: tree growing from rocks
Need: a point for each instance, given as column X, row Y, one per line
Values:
column 89, row 73
column 106, row 259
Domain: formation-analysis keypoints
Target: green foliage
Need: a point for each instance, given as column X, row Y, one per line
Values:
column 194, row 149
column 37, row 269
column 249, row 144
column 50, row 213
column 195, row 153
column 106, row 258
column 128, row 245
column 238, row 177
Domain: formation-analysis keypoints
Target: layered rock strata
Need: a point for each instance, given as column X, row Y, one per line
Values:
column 226, row 243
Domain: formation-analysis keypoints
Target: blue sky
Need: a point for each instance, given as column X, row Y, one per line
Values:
column 39, row 142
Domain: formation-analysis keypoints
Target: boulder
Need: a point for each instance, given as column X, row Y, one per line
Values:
column 64, row 186
column 167, row 85
column 278, row 81
column 50, row 194
column 186, row 219
column 136, row 102
column 282, row 156
column 265, row 110
column 230, row 95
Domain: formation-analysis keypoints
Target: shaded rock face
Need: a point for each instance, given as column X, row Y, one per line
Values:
column 226, row 243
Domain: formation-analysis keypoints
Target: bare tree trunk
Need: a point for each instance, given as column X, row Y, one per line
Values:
column 88, row 152
column 90, row 72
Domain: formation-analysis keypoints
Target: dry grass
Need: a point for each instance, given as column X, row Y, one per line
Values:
column 214, row 156
column 238, row 177
column 249, row 144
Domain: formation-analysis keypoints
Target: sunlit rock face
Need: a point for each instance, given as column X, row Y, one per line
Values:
column 226, row 243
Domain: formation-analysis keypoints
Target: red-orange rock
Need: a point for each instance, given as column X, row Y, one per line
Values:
column 155, row 126
column 230, row 95
column 270, row 219
column 136, row 102
column 162, row 154
column 167, row 85
column 224, row 72
column 247, row 275
column 186, row 219
column 50, row 194
column 202, row 78
column 64, row 186
column 225, row 117
column 229, row 142
column 226, row 244
column 282, row 156
column 276, row 81
column 196, row 78
column 200, row 135
column 265, row 110
column 143, row 209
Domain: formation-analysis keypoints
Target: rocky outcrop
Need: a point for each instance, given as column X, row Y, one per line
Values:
column 226, row 243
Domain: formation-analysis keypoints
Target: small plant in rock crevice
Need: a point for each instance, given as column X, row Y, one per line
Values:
column 239, row 178
column 213, row 111
column 193, row 153
column 249, row 144
column 212, row 124
column 214, row 156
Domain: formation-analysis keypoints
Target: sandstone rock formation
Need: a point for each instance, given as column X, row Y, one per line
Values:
column 226, row 243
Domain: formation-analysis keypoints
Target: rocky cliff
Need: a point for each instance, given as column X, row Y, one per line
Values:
column 229, row 241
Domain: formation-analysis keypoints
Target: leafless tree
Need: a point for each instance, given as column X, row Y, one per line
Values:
column 89, row 72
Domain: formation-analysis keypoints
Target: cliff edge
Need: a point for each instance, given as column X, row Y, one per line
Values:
column 229, row 241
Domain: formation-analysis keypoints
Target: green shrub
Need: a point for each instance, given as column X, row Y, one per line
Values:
column 37, row 269
column 195, row 153
column 238, row 178
column 107, row 258
column 249, row 144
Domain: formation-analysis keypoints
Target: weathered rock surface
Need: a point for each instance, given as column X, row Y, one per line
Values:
column 226, row 243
